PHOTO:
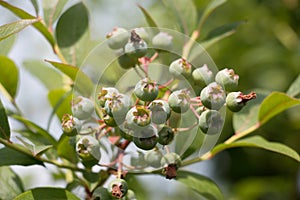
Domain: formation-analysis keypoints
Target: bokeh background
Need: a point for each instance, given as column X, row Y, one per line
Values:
column 265, row 52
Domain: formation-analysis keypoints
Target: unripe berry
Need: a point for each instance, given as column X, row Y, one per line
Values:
column 228, row 79
column 130, row 195
column 146, row 143
column 82, row 107
column 117, row 107
column 153, row 158
column 88, row 149
column 117, row 38
column 105, row 94
column 118, row 188
column 235, row 101
column 108, row 120
column 211, row 122
column 179, row 101
column 203, row 76
column 180, row 67
column 142, row 33
column 213, row 96
column 165, row 135
column 146, row 89
column 171, row 159
column 138, row 117
column 160, row 110
column 70, row 125
column 137, row 47
column 126, row 62
column 101, row 193
column 162, row 41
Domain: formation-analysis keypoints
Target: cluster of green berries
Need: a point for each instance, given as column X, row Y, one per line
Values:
column 144, row 116
column 133, row 45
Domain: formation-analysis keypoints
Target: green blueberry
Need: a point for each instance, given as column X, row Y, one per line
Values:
column 153, row 158
column 234, row 101
column 136, row 47
column 101, row 193
column 171, row 159
column 162, row 41
column 82, row 108
column 127, row 62
column 165, row 135
column 88, row 149
column 146, row 143
column 70, row 125
column 106, row 93
column 211, row 122
column 118, row 188
column 203, row 76
column 160, row 111
column 138, row 117
column 179, row 101
column 146, row 89
column 180, row 68
column 228, row 79
column 118, row 38
column 213, row 96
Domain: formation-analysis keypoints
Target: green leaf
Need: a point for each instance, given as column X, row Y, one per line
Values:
column 72, row 25
column 214, row 4
column 294, row 89
column 9, row 75
column 200, row 184
column 15, row 27
column 60, row 100
column 66, row 148
column 274, row 104
column 184, row 12
column 51, row 78
column 24, row 15
column 6, row 45
column 82, row 82
column 47, row 193
column 52, row 9
column 220, row 33
column 4, row 125
column 33, row 148
column 247, row 119
column 10, row 156
column 148, row 17
column 37, row 130
column 36, row 6
column 259, row 142
column 10, row 183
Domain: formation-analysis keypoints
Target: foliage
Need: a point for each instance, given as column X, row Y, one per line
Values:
column 79, row 158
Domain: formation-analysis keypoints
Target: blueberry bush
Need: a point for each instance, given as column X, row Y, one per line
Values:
column 146, row 101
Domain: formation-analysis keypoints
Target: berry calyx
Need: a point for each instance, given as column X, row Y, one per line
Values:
column 211, row 122
column 118, row 188
column 138, row 117
column 105, row 94
column 70, row 125
column 146, row 89
column 228, row 79
column 171, row 162
column 213, row 96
